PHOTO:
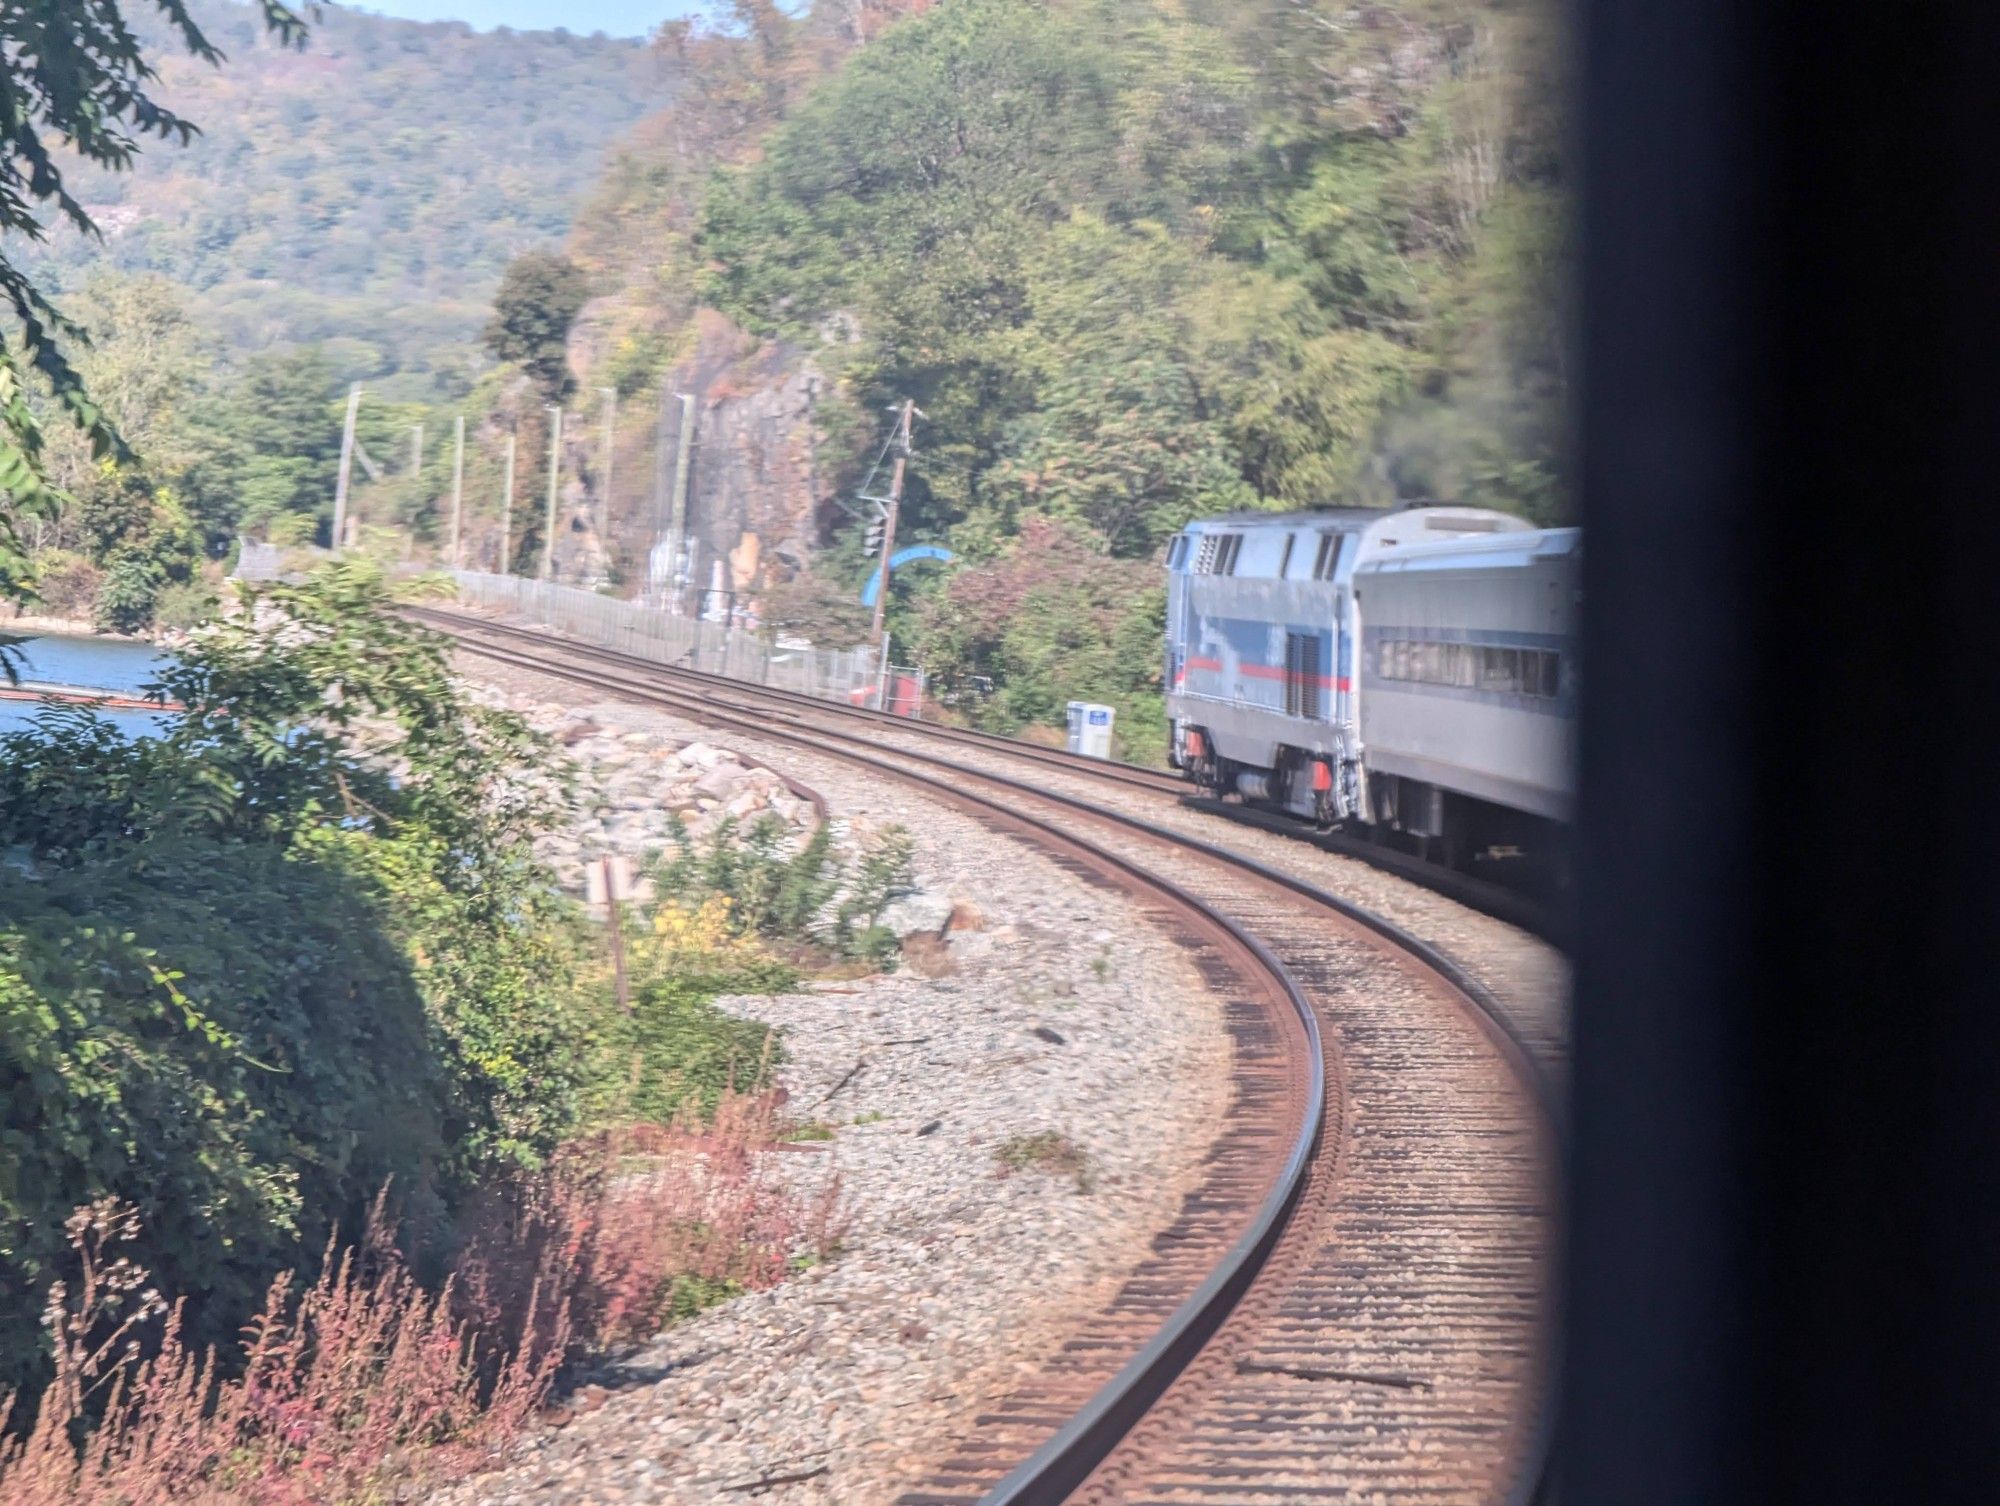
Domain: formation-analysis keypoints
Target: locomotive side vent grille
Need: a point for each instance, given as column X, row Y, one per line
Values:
column 1217, row 555
column 1302, row 675
column 1328, row 559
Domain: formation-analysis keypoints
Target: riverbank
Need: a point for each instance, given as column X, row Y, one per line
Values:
column 28, row 625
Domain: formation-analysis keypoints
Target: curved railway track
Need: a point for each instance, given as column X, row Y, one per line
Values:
column 1353, row 1305
column 1511, row 905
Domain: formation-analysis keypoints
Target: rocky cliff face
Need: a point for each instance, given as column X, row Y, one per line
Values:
column 756, row 494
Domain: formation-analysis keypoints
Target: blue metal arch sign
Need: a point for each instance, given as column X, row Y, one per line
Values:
column 896, row 562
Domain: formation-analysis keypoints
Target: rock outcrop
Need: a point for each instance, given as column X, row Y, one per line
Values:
column 756, row 491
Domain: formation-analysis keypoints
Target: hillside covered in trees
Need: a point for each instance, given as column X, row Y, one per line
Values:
column 362, row 192
column 1135, row 260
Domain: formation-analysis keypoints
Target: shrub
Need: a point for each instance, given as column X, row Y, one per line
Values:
column 1052, row 617
column 368, row 1385
column 291, row 530
column 810, row 896
column 182, row 605
column 340, row 1390
column 676, row 1052
column 293, row 947
column 125, row 599
column 625, row 1230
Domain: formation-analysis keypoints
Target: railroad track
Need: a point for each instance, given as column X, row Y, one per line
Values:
column 1354, row 1303
column 1500, row 901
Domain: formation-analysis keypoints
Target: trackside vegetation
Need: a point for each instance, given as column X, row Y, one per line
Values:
column 1137, row 261
column 299, row 949
column 293, row 950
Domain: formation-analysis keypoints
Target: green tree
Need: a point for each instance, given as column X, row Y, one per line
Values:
column 540, row 295
column 73, row 72
column 946, row 193
column 272, row 446
column 1140, row 260
column 146, row 365
column 1051, row 616
column 143, row 539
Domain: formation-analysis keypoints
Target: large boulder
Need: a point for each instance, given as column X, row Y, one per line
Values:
column 924, row 910
column 722, row 782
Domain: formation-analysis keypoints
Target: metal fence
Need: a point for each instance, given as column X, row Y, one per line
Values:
column 262, row 563
column 848, row 675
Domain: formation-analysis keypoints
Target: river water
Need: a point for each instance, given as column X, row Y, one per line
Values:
column 108, row 664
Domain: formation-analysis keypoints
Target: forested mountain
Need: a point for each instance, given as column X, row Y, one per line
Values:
column 364, row 192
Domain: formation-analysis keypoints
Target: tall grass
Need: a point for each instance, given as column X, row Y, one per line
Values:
column 368, row 1382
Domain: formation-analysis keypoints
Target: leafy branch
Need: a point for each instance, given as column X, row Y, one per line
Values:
column 74, row 77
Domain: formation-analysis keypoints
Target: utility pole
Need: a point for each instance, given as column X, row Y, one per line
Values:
column 889, row 523
column 457, row 489
column 346, row 469
column 507, row 508
column 677, row 519
column 555, row 474
column 610, row 435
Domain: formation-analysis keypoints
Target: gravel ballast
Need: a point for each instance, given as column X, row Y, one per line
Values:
column 1055, row 1012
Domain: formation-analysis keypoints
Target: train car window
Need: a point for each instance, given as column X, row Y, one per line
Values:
column 1285, row 560
column 1231, row 546
column 1467, row 666
column 1177, row 551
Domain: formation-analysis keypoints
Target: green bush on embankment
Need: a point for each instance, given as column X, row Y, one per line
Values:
column 294, row 949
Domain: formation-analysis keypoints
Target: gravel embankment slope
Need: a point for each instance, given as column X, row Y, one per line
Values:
column 1064, row 1011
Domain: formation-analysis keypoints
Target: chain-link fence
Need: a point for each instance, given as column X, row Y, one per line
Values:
column 847, row 675
column 262, row 563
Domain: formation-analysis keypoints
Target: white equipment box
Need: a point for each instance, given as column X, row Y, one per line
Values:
column 1090, row 729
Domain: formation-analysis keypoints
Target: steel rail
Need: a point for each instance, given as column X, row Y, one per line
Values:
column 1068, row 1457
column 1511, row 906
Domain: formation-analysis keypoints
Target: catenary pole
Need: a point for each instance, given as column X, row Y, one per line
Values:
column 507, row 508
column 889, row 523
column 555, row 475
column 677, row 521
column 610, row 437
column 339, row 539
column 457, row 488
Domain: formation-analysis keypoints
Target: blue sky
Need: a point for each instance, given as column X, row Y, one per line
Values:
column 618, row 18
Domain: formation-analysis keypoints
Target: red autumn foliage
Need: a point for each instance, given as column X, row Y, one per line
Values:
column 367, row 1379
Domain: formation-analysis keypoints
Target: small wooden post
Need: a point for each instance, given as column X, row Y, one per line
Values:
column 614, row 920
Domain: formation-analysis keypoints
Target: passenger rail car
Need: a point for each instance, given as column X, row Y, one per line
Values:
column 1469, row 686
column 1408, row 671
